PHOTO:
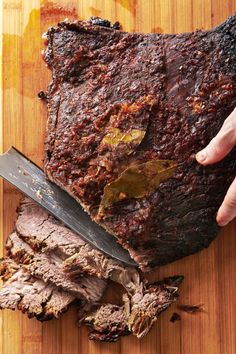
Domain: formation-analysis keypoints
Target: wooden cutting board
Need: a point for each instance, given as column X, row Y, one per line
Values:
column 209, row 275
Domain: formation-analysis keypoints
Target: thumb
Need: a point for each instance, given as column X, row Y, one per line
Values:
column 227, row 211
column 221, row 144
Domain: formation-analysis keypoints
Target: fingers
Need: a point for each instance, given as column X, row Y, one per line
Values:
column 215, row 151
column 227, row 211
column 221, row 144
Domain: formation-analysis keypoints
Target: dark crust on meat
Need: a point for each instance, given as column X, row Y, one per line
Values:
column 98, row 74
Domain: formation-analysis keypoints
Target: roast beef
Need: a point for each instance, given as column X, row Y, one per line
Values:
column 59, row 244
column 137, row 315
column 30, row 295
column 107, row 323
column 120, row 102
column 48, row 267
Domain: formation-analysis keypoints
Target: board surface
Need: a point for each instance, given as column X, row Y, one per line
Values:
column 209, row 275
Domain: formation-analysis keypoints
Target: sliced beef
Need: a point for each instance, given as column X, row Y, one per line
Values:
column 91, row 261
column 48, row 267
column 137, row 315
column 147, row 304
column 120, row 99
column 44, row 233
column 30, row 295
column 107, row 323
column 46, row 271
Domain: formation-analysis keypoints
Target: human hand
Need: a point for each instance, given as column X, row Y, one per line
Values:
column 215, row 151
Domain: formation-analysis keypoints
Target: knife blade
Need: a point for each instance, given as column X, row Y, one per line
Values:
column 17, row 169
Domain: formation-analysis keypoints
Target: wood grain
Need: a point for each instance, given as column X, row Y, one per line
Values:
column 209, row 275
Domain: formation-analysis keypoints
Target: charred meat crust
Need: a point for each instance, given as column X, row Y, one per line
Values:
column 183, row 87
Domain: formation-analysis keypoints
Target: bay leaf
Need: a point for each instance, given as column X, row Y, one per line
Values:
column 116, row 136
column 137, row 181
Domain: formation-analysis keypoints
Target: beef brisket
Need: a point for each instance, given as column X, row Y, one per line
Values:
column 107, row 323
column 118, row 100
column 30, row 295
column 137, row 315
column 46, row 234
column 48, row 267
column 43, row 232
column 92, row 261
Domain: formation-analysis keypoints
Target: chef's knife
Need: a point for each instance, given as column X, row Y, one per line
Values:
column 31, row 180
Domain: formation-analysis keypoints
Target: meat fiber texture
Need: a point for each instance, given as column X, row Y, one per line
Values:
column 164, row 97
column 48, row 267
column 31, row 295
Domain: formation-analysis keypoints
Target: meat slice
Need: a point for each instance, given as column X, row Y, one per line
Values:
column 118, row 100
column 30, row 295
column 107, row 323
column 48, row 267
column 91, row 261
column 137, row 315
column 45, row 234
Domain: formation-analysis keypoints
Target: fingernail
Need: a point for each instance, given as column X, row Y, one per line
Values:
column 222, row 222
column 201, row 156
